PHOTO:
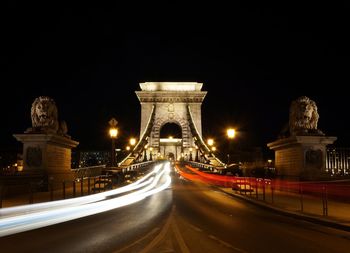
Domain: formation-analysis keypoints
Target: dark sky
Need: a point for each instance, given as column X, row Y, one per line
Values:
column 253, row 61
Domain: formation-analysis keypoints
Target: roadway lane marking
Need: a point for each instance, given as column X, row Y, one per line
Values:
column 180, row 239
column 137, row 241
column 214, row 237
column 226, row 244
column 161, row 235
column 194, row 227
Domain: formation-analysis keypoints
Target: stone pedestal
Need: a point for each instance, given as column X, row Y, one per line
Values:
column 47, row 154
column 301, row 157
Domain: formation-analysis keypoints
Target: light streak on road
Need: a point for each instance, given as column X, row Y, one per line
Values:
column 25, row 222
column 11, row 211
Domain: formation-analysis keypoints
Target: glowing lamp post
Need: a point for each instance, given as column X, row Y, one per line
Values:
column 231, row 133
column 113, row 133
column 210, row 143
column 132, row 141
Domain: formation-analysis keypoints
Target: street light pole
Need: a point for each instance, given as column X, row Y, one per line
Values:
column 113, row 152
column 230, row 134
column 113, row 132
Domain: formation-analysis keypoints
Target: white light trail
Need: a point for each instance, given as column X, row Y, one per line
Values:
column 25, row 222
column 10, row 211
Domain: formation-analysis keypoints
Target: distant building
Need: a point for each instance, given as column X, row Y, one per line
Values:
column 10, row 162
column 88, row 158
column 338, row 161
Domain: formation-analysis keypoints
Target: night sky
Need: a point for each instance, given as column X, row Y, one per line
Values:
column 253, row 61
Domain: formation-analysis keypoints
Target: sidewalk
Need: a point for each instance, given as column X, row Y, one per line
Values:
column 308, row 208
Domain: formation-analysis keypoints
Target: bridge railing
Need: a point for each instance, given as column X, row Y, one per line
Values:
column 84, row 181
column 203, row 166
column 136, row 166
column 90, row 171
column 314, row 197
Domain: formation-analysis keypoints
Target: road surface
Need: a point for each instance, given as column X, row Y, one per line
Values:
column 186, row 217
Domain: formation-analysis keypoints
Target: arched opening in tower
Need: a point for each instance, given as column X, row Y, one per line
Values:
column 171, row 130
column 171, row 141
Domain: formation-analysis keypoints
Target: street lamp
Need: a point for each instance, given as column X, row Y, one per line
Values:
column 231, row 133
column 132, row 141
column 113, row 132
column 211, row 144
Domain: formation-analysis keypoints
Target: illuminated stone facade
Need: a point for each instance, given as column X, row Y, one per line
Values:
column 171, row 100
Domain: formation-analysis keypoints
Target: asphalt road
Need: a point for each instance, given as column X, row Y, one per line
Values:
column 188, row 217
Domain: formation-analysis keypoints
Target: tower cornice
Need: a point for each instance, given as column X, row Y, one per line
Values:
column 171, row 96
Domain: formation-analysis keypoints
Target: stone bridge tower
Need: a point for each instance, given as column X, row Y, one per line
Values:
column 170, row 101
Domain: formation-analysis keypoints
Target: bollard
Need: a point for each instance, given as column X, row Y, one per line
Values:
column 99, row 184
column 64, row 189
column 324, row 200
column 82, row 187
column 256, row 188
column 272, row 189
column 264, row 185
column 95, row 184
column 245, row 186
column 112, row 183
column 88, row 185
column 301, row 198
column 250, row 186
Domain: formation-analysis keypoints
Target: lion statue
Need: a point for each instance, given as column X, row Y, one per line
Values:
column 45, row 117
column 303, row 117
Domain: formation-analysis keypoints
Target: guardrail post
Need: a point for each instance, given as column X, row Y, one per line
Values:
column 264, row 186
column 88, row 185
column 99, row 184
column 94, row 184
column 324, row 200
column 250, row 186
column 82, row 187
column 240, row 186
column 272, row 191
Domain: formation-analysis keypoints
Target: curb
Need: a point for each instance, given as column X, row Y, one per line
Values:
column 292, row 214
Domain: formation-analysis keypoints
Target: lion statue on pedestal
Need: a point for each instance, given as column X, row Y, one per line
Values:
column 44, row 114
column 303, row 117
column 45, row 117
